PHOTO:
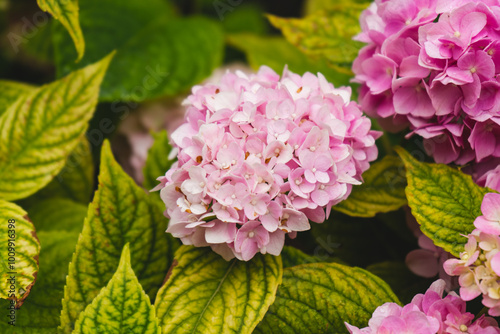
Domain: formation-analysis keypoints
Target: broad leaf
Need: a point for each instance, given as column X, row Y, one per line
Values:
column 206, row 294
column 10, row 91
column 326, row 34
column 319, row 297
column 19, row 256
column 444, row 201
column 276, row 52
column 383, row 190
column 156, row 55
column 59, row 222
column 121, row 307
column 158, row 161
column 40, row 129
column 120, row 213
column 66, row 12
column 58, row 214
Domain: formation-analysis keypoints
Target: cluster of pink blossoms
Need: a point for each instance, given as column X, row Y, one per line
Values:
column 479, row 265
column 427, row 313
column 434, row 65
column 260, row 156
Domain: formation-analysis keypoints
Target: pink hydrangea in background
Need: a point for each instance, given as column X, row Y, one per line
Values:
column 429, row 259
column 259, row 156
column 479, row 265
column 433, row 65
column 427, row 313
column 486, row 173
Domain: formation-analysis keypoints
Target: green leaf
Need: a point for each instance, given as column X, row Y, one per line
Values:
column 121, row 307
column 19, row 255
column 156, row 55
column 326, row 34
column 11, row 91
column 76, row 180
column 276, row 52
column 319, row 297
column 58, row 214
column 120, row 213
column 104, row 29
column 66, row 12
column 444, row 201
column 58, row 223
column 292, row 257
column 383, row 190
column 40, row 129
column 157, row 162
column 206, row 294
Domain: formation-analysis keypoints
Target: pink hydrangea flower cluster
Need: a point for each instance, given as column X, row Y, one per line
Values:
column 259, row 156
column 427, row 313
column 479, row 265
column 434, row 65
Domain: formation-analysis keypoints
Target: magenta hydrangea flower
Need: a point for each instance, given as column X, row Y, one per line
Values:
column 259, row 156
column 479, row 265
column 427, row 313
column 433, row 65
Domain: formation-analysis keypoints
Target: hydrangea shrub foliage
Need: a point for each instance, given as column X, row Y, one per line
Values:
column 341, row 176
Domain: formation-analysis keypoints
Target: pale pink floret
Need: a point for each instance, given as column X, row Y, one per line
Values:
column 433, row 65
column 489, row 222
column 259, row 156
column 427, row 313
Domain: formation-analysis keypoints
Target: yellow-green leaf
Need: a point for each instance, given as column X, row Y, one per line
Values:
column 58, row 224
column 10, row 91
column 312, row 6
column 383, row 190
column 276, row 52
column 326, row 34
column 67, row 12
column 444, row 201
column 19, row 255
column 121, row 307
column 158, row 161
column 206, row 294
column 121, row 212
column 319, row 297
column 40, row 129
